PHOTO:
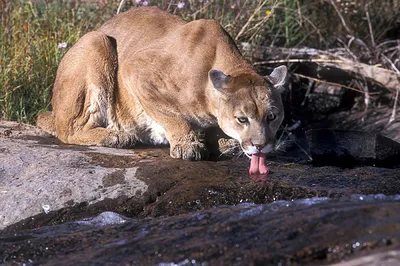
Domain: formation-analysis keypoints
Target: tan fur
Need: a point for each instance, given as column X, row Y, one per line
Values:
column 145, row 76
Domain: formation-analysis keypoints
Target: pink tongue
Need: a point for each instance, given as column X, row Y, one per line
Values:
column 257, row 164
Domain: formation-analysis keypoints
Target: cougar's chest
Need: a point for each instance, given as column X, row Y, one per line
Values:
column 155, row 132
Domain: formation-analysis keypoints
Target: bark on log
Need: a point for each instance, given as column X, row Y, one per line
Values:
column 381, row 76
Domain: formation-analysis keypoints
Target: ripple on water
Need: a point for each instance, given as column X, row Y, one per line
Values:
column 250, row 209
column 181, row 263
column 103, row 219
column 373, row 197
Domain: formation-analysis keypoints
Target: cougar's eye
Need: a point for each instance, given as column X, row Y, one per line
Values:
column 271, row 117
column 242, row 119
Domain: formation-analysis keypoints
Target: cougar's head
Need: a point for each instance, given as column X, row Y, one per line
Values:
column 250, row 108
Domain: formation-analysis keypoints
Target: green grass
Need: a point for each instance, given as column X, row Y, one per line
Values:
column 29, row 53
column 31, row 31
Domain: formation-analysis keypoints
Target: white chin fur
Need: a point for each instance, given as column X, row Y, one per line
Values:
column 253, row 150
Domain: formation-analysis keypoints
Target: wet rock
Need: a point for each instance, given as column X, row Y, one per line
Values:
column 374, row 119
column 386, row 258
column 38, row 177
column 349, row 148
column 43, row 182
column 314, row 231
column 184, row 212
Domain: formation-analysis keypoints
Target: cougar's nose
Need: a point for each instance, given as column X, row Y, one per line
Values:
column 259, row 146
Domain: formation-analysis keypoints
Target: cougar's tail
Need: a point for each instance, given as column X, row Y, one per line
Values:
column 45, row 121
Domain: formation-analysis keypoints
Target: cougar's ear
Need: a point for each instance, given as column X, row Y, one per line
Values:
column 278, row 76
column 219, row 80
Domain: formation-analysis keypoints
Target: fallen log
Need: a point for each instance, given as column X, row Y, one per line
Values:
column 374, row 73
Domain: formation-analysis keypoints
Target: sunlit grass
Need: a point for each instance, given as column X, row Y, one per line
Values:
column 29, row 53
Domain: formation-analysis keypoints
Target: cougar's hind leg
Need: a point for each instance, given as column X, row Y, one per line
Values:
column 83, row 93
column 45, row 121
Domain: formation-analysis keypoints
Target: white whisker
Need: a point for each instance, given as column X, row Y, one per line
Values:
column 239, row 154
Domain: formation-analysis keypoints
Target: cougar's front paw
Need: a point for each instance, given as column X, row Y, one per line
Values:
column 116, row 140
column 189, row 148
